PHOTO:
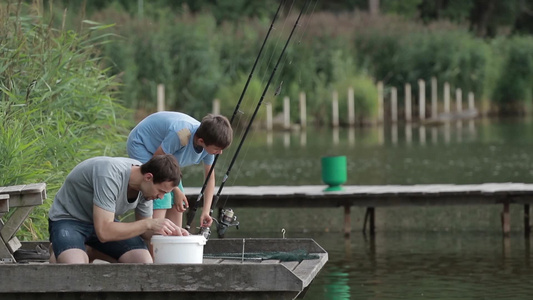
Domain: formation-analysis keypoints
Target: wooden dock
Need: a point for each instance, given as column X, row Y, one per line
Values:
column 372, row 196
column 215, row 278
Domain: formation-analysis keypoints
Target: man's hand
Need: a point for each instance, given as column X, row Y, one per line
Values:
column 165, row 227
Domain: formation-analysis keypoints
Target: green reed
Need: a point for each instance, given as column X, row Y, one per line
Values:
column 57, row 104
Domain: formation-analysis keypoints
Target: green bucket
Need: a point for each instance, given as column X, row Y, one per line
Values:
column 334, row 172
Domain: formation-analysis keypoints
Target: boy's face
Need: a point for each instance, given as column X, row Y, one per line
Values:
column 212, row 149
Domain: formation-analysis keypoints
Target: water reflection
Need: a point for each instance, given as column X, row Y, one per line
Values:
column 419, row 252
column 420, row 265
column 487, row 151
column 387, row 134
column 287, row 139
column 422, row 133
column 303, row 138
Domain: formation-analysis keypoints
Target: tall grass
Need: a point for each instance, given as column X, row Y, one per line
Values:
column 57, row 104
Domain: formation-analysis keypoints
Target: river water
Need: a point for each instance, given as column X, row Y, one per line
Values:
column 418, row 252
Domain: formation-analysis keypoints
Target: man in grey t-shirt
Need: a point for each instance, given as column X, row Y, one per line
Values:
column 82, row 218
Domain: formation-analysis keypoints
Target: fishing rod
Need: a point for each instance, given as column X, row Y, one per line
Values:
column 194, row 205
column 228, row 218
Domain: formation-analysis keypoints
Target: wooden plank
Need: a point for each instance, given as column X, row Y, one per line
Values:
column 290, row 265
column 211, row 260
column 239, row 295
column 34, row 188
column 4, row 203
column 14, row 222
column 309, row 268
column 148, row 278
column 19, row 200
column 25, row 195
column 261, row 245
column 375, row 196
column 5, row 253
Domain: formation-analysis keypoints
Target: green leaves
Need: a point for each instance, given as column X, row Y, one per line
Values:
column 57, row 106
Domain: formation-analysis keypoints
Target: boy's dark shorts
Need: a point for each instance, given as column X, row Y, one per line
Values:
column 74, row 234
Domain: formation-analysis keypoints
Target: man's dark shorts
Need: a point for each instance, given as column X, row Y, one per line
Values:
column 74, row 234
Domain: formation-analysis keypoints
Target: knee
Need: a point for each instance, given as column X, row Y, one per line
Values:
column 141, row 256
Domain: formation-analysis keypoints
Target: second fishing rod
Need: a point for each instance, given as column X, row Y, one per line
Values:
column 194, row 205
column 229, row 219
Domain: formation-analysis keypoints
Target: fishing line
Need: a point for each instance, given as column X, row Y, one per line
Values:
column 216, row 197
column 194, row 206
column 305, row 18
column 263, row 77
column 263, row 67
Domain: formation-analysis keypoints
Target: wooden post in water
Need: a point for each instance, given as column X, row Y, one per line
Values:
column 527, row 224
column 422, row 99
column 394, row 105
column 380, row 101
column 351, row 107
column 446, row 98
column 408, row 109
column 347, row 221
column 216, row 106
column 459, row 100
column 286, row 113
column 335, row 110
column 268, row 107
column 303, row 111
column 434, row 92
column 160, row 97
column 506, row 219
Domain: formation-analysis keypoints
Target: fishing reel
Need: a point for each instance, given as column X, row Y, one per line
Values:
column 205, row 231
column 227, row 219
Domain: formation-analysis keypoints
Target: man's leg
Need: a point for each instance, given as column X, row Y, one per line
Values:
column 136, row 256
column 132, row 250
column 67, row 238
column 73, row 256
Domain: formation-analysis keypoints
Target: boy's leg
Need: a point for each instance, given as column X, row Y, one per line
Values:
column 172, row 214
column 175, row 216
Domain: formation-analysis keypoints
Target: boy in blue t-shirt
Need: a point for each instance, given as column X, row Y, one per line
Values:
column 191, row 142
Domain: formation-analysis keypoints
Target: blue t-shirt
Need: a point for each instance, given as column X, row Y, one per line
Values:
column 174, row 132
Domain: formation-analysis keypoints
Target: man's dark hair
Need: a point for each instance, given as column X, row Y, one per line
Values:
column 215, row 130
column 164, row 168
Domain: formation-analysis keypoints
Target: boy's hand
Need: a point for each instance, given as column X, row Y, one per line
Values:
column 206, row 220
column 180, row 201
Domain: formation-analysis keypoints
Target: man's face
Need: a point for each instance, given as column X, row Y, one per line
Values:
column 153, row 191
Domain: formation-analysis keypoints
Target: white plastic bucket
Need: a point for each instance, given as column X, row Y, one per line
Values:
column 178, row 249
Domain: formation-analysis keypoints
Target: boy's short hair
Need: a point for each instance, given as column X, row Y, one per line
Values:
column 164, row 168
column 215, row 130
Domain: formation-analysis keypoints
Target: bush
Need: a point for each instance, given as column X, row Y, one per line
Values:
column 514, row 89
column 57, row 106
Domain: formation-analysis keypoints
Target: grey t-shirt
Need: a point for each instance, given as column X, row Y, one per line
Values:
column 102, row 181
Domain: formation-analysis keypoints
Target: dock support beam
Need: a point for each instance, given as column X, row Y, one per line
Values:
column 347, row 221
column 506, row 219
column 527, row 224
